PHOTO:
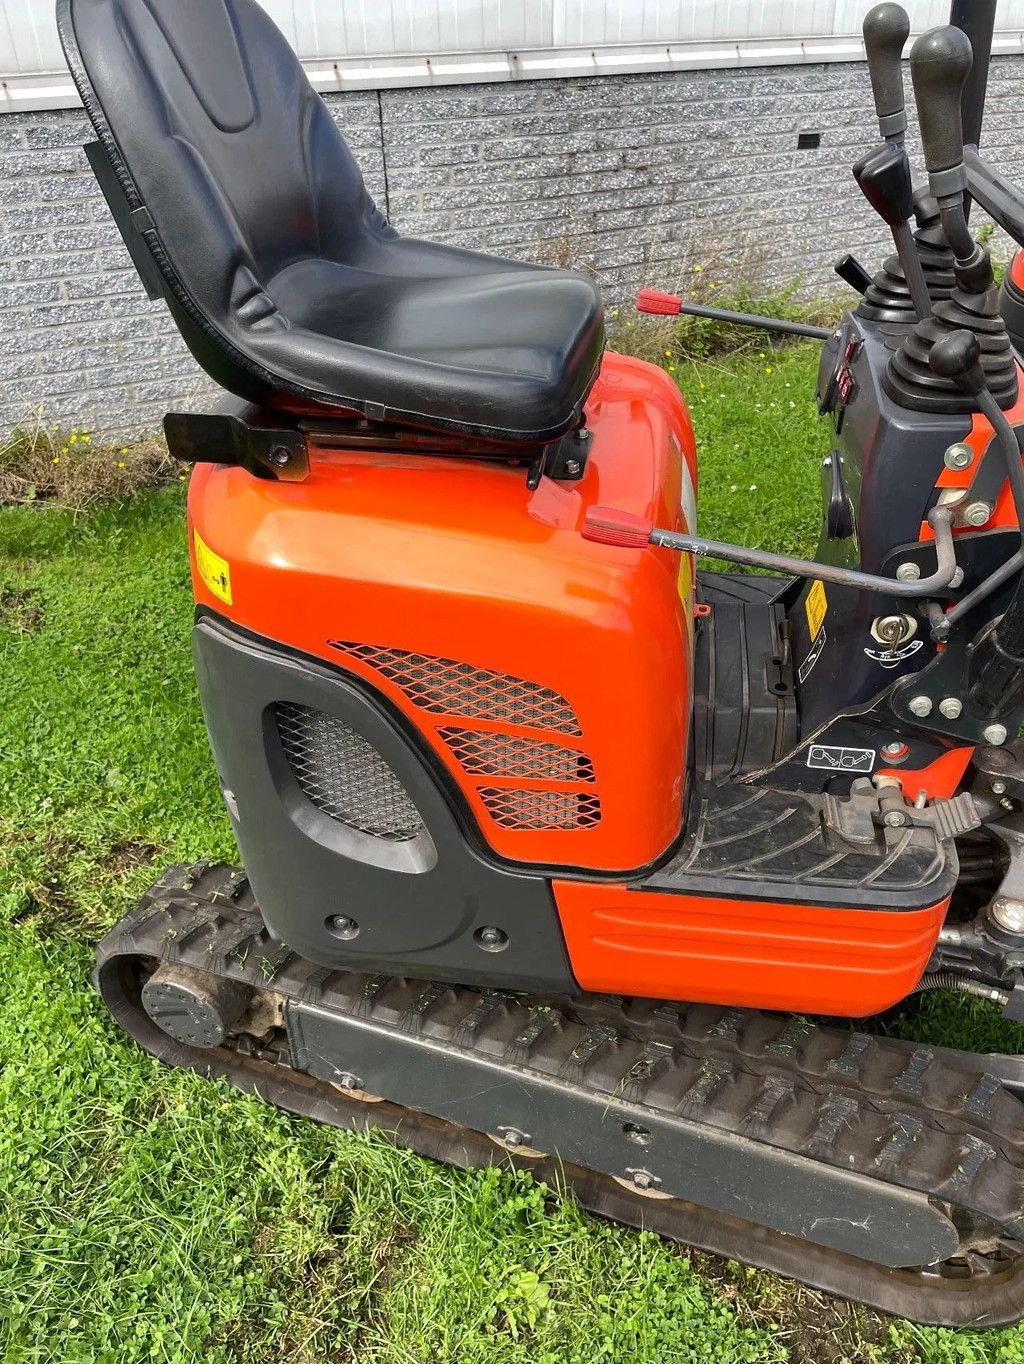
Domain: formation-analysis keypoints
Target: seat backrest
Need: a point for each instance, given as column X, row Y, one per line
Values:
column 230, row 165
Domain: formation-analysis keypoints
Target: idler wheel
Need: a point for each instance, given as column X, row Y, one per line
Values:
column 192, row 1006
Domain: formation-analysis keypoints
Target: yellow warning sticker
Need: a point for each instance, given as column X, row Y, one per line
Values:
column 214, row 571
column 816, row 607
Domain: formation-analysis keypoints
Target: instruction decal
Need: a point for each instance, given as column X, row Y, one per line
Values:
column 817, row 649
column 892, row 658
column 214, row 571
column 825, row 758
column 816, row 607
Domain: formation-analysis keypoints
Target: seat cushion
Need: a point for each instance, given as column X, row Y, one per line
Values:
column 493, row 345
column 287, row 283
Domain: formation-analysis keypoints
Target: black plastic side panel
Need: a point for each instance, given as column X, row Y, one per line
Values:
column 744, row 704
column 416, row 916
column 890, row 460
column 1011, row 304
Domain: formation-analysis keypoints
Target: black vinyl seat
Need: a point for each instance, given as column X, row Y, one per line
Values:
column 245, row 209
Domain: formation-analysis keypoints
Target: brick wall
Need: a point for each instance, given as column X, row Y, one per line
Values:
column 638, row 178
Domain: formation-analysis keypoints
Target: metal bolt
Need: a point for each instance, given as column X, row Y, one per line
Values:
column 920, row 706
column 280, row 456
column 1008, row 913
column 895, row 751
column 643, row 1179
column 951, row 707
column 491, row 939
column 999, row 788
column 958, row 456
column 342, row 926
column 994, row 734
column 346, row 1080
column 894, row 819
column 512, row 1137
column 908, row 572
column 572, row 467
column 977, row 513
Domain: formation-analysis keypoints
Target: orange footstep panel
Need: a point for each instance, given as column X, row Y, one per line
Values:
column 759, row 954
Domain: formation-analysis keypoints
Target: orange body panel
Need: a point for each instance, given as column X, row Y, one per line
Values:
column 979, row 439
column 752, row 954
column 455, row 559
column 1017, row 270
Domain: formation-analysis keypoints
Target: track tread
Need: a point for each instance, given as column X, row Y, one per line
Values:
column 859, row 1103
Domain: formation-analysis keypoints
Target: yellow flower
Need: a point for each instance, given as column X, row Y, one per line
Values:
column 56, row 459
column 120, row 464
column 74, row 439
column 697, row 269
column 124, row 449
column 767, row 369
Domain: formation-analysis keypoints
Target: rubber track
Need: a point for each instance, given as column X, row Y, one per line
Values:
column 856, row 1102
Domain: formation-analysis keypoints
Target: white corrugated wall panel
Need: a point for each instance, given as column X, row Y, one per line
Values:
column 360, row 44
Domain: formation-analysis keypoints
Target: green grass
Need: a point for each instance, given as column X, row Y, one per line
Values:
column 146, row 1215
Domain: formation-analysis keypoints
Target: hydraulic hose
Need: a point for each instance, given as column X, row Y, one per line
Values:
column 949, row 980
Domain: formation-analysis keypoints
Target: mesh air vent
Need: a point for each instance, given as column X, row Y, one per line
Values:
column 344, row 775
column 483, row 753
column 443, row 686
column 512, row 808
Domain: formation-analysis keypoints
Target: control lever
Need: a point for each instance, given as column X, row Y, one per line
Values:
column 885, row 181
column 884, row 176
column 886, row 30
column 851, row 272
column 940, row 63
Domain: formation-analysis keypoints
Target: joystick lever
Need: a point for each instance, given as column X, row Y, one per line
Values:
column 886, row 30
column 884, row 176
column 940, row 63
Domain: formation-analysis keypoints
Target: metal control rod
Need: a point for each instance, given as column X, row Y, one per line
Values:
column 670, row 305
column 619, row 528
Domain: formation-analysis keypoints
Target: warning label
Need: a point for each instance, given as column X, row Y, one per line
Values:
column 214, row 571
column 816, row 607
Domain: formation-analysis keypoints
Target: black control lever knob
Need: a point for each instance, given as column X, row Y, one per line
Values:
column 886, row 30
column 958, row 357
column 940, row 62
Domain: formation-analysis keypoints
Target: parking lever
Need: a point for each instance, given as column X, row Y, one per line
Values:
column 886, row 30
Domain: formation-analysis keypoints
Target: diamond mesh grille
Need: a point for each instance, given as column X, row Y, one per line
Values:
column 483, row 753
column 512, row 808
column 344, row 775
column 443, row 686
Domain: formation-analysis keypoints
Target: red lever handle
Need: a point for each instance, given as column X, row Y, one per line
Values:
column 606, row 526
column 654, row 301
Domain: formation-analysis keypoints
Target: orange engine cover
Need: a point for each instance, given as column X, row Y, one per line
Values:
column 551, row 676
